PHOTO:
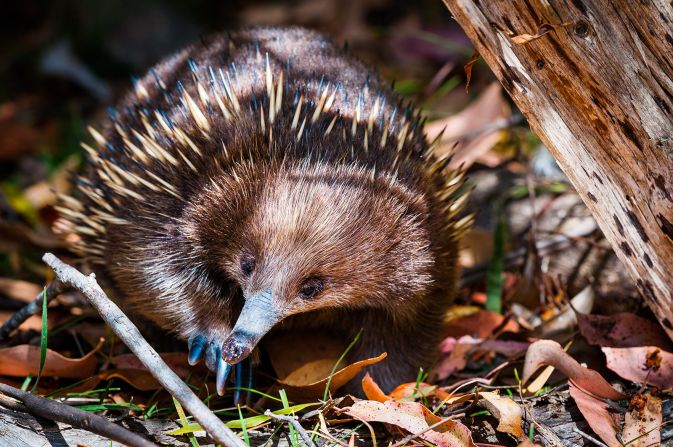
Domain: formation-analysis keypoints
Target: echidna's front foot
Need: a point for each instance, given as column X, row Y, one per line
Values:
column 200, row 344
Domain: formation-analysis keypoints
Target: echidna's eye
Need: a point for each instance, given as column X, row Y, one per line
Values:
column 311, row 287
column 247, row 264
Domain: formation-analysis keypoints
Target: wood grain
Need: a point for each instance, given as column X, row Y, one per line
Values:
column 598, row 91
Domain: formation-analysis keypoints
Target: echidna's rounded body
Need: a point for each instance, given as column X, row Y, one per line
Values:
column 269, row 163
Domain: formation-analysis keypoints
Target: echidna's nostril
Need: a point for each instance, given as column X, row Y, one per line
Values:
column 237, row 347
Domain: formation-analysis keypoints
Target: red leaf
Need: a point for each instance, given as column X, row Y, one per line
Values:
column 636, row 364
column 548, row 352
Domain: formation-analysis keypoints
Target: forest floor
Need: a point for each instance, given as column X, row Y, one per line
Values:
column 547, row 343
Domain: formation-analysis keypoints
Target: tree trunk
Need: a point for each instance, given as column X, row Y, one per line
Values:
column 598, row 90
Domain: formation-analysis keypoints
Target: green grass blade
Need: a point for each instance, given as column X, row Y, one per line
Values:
column 43, row 339
column 336, row 365
column 294, row 436
column 250, row 422
column 183, row 421
column 246, row 439
column 494, row 277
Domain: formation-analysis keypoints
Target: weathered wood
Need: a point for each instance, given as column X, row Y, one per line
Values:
column 598, row 91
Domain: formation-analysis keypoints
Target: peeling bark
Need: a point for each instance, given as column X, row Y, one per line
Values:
column 598, row 90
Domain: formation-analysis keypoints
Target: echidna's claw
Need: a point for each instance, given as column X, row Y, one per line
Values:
column 238, row 383
column 196, row 345
column 223, row 370
column 213, row 353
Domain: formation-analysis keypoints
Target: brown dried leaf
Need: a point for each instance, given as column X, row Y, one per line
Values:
column 642, row 425
column 465, row 133
column 548, row 352
column 457, row 358
column 23, row 360
column 468, row 69
column 597, row 414
column 643, row 364
column 372, row 389
column 131, row 370
column 19, row 290
column 414, row 418
column 522, row 39
column 506, row 411
column 623, row 330
column 480, row 325
column 413, row 390
column 303, row 363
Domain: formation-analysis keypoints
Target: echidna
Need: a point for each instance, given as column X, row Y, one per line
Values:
column 267, row 179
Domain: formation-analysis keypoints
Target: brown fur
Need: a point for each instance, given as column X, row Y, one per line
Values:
column 366, row 208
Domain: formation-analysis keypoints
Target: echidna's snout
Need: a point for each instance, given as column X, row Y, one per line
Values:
column 259, row 315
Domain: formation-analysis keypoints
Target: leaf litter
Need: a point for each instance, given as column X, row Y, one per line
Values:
column 616, row 370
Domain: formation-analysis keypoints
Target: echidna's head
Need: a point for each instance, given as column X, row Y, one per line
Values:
column 304, row 238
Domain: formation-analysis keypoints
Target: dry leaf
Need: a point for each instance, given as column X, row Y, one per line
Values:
column 414, row 418
column 23, row 360
column 548, row 352
column 597, row 414
column 644, row 364
column 505, row 410
column 303, row 363
column 413, row 390
column 372, row 389
column 642, row 425
column 140, row 380
column 19, row 290
column 457, row 359
column 131, row 370
column 468, row 69
column 525, row 38
column 623, row 330
column 565, row 321
column 467, row 128
column 479, row 325
column 458, row 350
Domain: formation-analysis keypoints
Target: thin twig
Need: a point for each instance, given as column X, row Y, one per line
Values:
column 295, row 423
column 56, row 411
column 131, row 336
column 30, row 309
column 413, row 436
column 12, row 404
column 589, row 438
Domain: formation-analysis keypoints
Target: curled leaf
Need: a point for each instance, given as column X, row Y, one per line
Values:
column 304, row 362
column 372, row 389
column 548, row 352
column 23, row 360
column 506, row 411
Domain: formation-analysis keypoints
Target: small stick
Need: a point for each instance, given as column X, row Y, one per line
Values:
column 295, row 423
column 56, row 411
column 589, row 438
column 413, row 436
column 131, row 336
column 30, row 309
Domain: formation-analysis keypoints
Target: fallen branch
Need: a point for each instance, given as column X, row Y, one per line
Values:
column 30, row 309
column 131, row 336
column 292, row 420
column 56, row 411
